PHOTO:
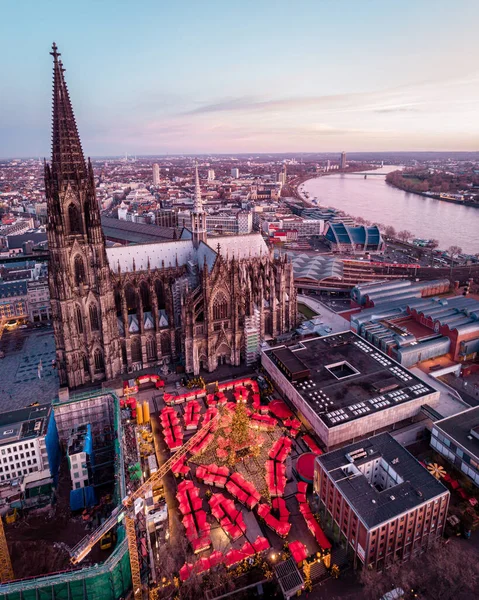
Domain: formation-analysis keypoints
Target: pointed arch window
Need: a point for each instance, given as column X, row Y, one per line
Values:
column 86, row 366
column 150, row 349
column 98, row 358
column 220, row 307
column 87, row 215
column 160, row 294
column 131, row 299
column 136, row 350
column 74, row 219
column 79, row 266
column 79, row 319
column 165, row 345
column 94, row 321
column 145, row 296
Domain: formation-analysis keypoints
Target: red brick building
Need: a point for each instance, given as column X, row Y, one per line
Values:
column 379, row 502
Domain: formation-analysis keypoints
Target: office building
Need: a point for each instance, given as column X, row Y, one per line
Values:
column 379, row 502
column 156, row 174
column 38, row 300
column 80, row 456
column 457, row 439
column 345, row 387
column 211, row 175
column 235, row 173
column 342, row 161
column 28, row 442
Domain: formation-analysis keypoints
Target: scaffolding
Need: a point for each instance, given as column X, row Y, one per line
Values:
column 111, row 579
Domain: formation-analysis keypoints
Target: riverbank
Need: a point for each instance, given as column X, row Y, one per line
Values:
column 435, row 196
column 373, row 200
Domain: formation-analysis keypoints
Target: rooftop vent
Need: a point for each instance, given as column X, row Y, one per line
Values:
column 392, row 497
column 395, row 461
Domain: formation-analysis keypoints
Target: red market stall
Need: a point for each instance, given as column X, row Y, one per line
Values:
column 150, row 378
column 308, row 440
column 280, row 449
column 228, row 516
column 263, row 422
column 305, row 466
column 279, row 409
column 192, row 414
column 282, row 528
column 275, row 477
column 243, row 490
column 298, row 551
column 213, row 474
column 261, row 544
column 180, row 468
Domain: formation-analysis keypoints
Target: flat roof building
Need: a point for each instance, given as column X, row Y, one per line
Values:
column 28, row 442
column 378, row 501
column 457, row 439
column 346, row 387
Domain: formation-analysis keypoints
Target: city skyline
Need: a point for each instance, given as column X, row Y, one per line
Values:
column 233, row 79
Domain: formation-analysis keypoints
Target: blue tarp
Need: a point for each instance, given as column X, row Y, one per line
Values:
column 83, row 497
column 77, row 500
column 90, row 496
column 52, row 444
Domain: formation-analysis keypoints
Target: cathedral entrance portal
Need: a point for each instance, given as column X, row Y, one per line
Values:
column 224, row 355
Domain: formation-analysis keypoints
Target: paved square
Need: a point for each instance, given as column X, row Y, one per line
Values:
column 24, row 350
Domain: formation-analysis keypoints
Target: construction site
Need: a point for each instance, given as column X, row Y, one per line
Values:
column 37, row 564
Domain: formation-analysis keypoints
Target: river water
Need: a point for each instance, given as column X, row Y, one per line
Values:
column 376, row 201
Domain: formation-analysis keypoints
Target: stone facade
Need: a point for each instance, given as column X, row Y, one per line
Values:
column 119, row 310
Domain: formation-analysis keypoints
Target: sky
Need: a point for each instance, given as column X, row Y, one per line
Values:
column 157, row 77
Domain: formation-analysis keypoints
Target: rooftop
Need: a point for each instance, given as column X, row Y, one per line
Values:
column 24, row 423
column 408, row 483
column 350, row 378
column 464, row 429
column 137, row 233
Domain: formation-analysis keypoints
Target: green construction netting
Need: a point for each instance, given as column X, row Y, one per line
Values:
column 110, row 580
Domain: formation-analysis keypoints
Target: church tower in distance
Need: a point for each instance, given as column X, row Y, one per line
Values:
column 82, row 301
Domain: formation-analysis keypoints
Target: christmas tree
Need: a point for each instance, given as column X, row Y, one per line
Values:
column 240, row 434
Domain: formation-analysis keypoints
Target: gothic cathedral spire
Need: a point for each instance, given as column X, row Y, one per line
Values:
column 81, row 295
column 198, row 216
column 68, row 162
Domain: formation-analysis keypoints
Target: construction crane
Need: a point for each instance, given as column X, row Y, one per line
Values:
column 125, row 511
column 6, row 569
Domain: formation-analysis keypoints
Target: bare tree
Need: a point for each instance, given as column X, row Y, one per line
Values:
column 390, row 232
column 404, row 235
column 444, row 572
column 454, row 251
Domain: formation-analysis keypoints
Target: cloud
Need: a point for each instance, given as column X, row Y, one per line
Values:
column 413, row 97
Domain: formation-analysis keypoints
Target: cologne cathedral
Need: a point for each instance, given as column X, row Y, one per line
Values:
column 121, row 309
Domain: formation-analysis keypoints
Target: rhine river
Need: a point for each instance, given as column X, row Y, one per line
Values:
column 376, row 201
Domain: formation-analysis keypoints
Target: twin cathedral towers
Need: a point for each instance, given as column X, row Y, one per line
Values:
column 122, row 309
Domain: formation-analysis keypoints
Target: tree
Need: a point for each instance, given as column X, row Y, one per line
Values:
column 453, row 251
column 441, row 572
column 404, row 235
column 390, row 232
column 240, row 427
